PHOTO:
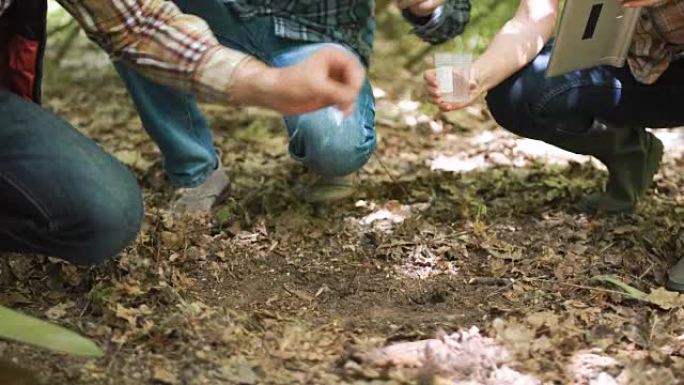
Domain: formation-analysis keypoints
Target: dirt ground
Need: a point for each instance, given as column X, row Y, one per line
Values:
column 455, row 224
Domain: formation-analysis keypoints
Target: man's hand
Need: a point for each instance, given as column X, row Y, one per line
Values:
column 420, row 7
column 330, row 77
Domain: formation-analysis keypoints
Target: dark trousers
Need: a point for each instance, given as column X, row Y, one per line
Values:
column 534, row 106
column 60, row 194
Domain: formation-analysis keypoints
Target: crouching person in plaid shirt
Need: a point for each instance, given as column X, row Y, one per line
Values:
column 61, row 194
column 282, row 33
column 602, row 111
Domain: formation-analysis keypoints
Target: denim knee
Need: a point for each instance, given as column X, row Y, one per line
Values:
column 524, row 113
column 510, row 108
column 330, row 147
column 517, row 103
column 107, row 219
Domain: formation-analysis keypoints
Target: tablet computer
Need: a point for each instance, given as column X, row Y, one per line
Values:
column 592, row 33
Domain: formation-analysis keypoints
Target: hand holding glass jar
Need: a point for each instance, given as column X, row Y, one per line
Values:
column 453, row 83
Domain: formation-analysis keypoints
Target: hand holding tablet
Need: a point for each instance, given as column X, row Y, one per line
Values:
column 593, row 33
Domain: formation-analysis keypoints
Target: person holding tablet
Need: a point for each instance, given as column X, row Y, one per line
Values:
column 601, row 111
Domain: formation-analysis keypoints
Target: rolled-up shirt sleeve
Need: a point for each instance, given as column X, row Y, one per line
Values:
column 447, row 22
column 159, row 41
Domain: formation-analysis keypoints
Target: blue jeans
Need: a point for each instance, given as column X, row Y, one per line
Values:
column 61, row 194
column 534, row 106
column 174, row 121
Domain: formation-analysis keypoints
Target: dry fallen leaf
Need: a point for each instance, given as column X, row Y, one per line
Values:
column 546, row 318
column 133, row 159
column 169, row 239
column 239, row 371
column 131, row 314
column 665, row 299
column 164, row 376
column 59, row 311
column 301, row 294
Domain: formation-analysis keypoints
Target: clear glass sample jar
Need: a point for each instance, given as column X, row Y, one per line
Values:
column 453, row 76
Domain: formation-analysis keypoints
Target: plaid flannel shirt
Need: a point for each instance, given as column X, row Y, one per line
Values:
column 350, row 22
column 180, row 51
column 658, row 40
column 159, row 41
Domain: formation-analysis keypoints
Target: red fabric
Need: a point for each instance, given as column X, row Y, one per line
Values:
column 22, row 62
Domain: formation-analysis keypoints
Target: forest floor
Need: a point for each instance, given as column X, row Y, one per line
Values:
column 455, row 224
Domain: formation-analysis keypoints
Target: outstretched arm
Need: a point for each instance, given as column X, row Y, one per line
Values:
column 517, row 43
column 160, row 42
column 179, row 50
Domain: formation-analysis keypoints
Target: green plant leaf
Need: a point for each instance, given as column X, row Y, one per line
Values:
column 630, row 291
column 660, row 297
column 22, row 328
column 224, row 215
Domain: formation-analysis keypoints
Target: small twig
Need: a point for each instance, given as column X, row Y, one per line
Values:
column 501, row 289
column 113, row 356
column 653, row 326
column 575, row 286
column 590, row 288
column 607, row 247
column 85, row 308
column 72, row 34
column 62, row 27
column 490, row 281
column 395, row 244
column 389, row 174
column 641, row 277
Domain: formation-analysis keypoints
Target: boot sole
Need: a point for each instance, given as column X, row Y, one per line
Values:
column 675, row 286
column 586, row 206
column 330, row 197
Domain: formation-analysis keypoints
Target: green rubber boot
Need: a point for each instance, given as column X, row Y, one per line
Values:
column 632, row 156
column 675, row 278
